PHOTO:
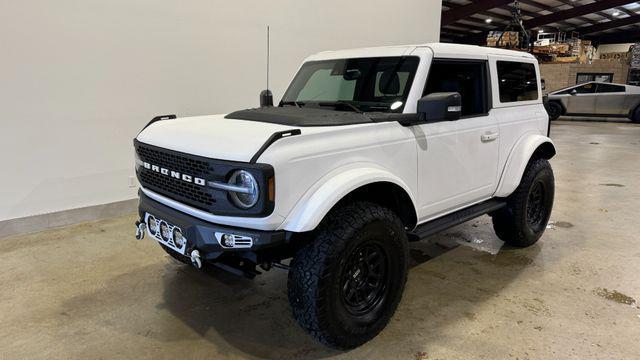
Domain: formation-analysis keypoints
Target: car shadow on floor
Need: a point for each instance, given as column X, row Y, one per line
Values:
column 252, row 317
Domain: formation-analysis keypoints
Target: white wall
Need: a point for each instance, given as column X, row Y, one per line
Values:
column 78, row 79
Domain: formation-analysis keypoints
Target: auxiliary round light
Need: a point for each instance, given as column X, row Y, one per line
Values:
column 164, row 231
column 152, row 224
column 178, row 238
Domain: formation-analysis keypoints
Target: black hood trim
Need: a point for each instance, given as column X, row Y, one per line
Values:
column 294, row 116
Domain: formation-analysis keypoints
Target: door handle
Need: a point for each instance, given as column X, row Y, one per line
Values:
column 488, row 136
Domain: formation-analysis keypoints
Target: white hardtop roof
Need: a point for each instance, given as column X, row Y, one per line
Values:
column 439, row 50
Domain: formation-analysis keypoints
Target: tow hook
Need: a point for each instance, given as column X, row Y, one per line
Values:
column 140, row 229
column 195, row 259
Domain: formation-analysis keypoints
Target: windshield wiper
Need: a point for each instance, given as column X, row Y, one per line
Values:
column 342, row 103
column 292, row 103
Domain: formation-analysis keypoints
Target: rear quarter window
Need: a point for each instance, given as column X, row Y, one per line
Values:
column 517, row 81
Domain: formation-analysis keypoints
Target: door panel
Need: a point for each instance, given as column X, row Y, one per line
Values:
column 457, row 163
column 610, row 100
column 611, row 104
column 584, row 102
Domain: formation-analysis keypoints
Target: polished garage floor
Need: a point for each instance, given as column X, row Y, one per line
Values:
column 90, row 291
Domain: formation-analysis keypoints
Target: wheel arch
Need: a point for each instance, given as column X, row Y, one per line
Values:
column 357, row 184
column 532, row 146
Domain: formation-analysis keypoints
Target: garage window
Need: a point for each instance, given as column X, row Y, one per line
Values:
column 466, row 77
column 582, row 78
column 517, row 81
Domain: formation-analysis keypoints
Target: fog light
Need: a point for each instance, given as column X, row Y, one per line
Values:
column 234, row 241
column 228, row 240
column 164, row 231
column 178, row 238
column 152, row 223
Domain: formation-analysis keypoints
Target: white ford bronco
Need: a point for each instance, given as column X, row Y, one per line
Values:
column 367, row 150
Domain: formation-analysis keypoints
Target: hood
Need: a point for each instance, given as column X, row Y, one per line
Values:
column 211, row 136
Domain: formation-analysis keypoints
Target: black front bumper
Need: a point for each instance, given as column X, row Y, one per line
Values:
column 200, row 233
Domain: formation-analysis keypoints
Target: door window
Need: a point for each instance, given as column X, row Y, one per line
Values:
column 608, row 88
column 589, row 88
column 468, row 78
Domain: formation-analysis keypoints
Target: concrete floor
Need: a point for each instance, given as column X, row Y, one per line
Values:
column 91, row 291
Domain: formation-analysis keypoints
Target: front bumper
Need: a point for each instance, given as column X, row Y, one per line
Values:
column 201, row 235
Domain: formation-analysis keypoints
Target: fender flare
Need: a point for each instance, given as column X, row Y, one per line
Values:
column 331, row 188
column 518, row 159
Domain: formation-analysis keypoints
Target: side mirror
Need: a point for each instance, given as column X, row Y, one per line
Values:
column 266, row 98
column 573, row 92
column 444, row 106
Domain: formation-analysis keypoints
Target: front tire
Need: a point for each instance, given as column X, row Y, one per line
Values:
column 346, row 283
column 554, row 110
column 524, row 219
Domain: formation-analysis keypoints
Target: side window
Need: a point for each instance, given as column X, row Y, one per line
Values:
column 517, row 81
column 589, row 88
column 608, row 88
column 469, row 78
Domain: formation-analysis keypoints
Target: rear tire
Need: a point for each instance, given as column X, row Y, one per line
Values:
column 524, row 219
column 554, row 110
column 636, row 116
column 345, row 285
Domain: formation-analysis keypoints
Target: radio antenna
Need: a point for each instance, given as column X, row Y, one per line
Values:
column 268, row 57
column 266, row 97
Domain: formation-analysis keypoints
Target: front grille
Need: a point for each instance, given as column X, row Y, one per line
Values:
column 189, row 193
column 209, row 199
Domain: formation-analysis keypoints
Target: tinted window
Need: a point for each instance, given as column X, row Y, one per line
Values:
column 466, row 78
column 608, row 88
column 584, row 89
column 517, row 81
column 370, row 84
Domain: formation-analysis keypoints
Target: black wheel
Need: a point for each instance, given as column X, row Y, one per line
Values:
column 528, row 209
column 554, row 110
column 181, row 258
column 345, row 285
column 636, row 116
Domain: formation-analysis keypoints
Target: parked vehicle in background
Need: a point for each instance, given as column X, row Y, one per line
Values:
column 596, row 99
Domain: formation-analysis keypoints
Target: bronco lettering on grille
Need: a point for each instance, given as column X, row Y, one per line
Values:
column 174, row 174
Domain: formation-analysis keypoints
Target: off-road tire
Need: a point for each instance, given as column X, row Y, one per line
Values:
column 524, row 219
column 179, row 257
column 323, row 269
column 554, row 109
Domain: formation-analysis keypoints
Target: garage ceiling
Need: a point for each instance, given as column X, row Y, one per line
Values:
column 603, row 21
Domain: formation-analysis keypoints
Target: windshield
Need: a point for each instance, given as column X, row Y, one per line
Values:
column 359, row 84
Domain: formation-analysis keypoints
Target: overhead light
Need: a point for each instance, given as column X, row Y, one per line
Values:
column 616, row 13
column 488, row 20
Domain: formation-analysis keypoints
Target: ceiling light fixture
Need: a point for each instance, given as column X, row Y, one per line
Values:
column 488, row 21
column 616, row 13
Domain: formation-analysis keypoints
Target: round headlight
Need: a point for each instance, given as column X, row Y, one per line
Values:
column 249, row 195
